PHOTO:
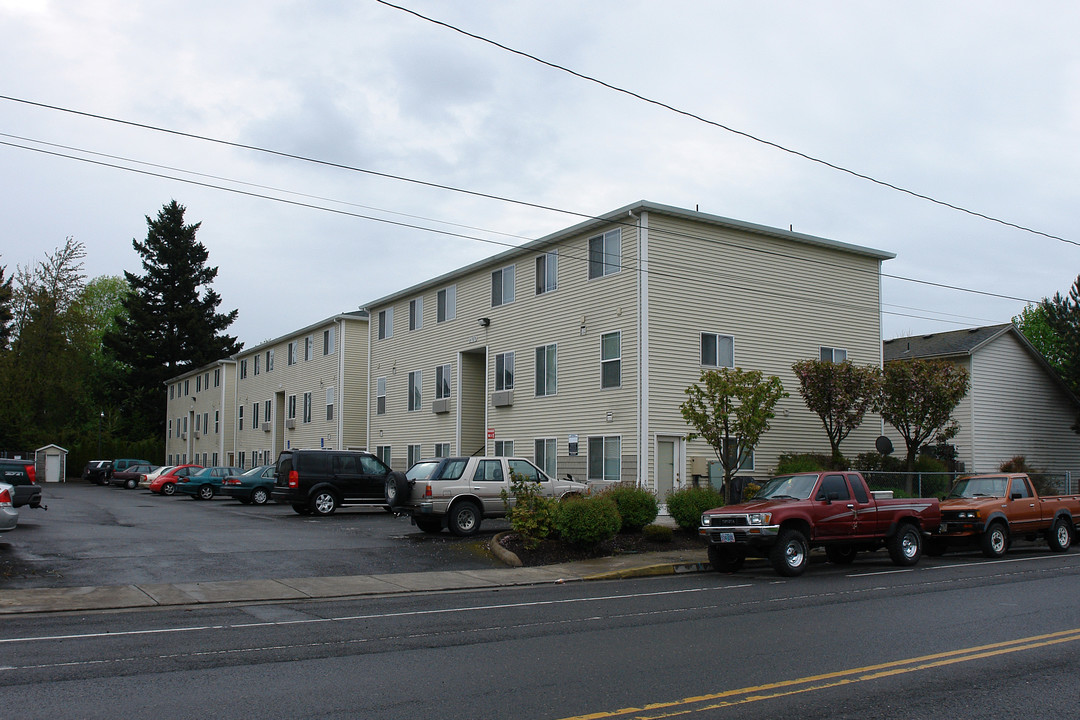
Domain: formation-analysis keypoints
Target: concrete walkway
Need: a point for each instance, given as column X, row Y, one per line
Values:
column 69, row 599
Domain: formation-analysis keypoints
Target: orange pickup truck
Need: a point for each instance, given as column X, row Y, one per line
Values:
column 992, row 510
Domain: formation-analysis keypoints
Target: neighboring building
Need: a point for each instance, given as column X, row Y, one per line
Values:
column 575, row 349
column 199, row 412
column 306, row 389
column 1016, row 405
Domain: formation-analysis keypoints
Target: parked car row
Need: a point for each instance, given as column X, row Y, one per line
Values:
column 18, row 488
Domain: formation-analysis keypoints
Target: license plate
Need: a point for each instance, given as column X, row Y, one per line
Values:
column 727, row 537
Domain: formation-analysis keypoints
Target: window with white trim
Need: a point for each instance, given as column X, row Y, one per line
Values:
column 307, row 407
column 309, row 347
column 446, row 304
column 546, row 370
column 442, row 381
column 833, row 355
column 504, row 448
column 240, row 418
column 256, row 366
column 270, row 360
column 328, row 341
column 605, row 254
column 547, row 272
column 415, row 394
column 217, row 422
column 254, row 416
column 605, row 458
column 198, row 383
column 442, row 450
column 329, row 404
column 243, row 368
column 290, row 413
column 732, row 447
column 502, row 286
column 386, row 323
column 416, row 313
column 291, row 354
column 380, row 396
column 414, row 454
column 268, row 410
column 504, row 371
column 717, row 350
column 383, row 453
column 611, row 360
column 544, row 454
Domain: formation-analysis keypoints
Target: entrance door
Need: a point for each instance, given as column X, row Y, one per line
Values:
column 668, row 466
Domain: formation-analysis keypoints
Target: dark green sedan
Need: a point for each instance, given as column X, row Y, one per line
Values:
column 252, row 487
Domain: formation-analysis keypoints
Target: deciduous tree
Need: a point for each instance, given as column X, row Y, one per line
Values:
column 918, row 397
column 839, row 393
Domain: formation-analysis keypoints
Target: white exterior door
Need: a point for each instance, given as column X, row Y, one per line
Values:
column 669, row 465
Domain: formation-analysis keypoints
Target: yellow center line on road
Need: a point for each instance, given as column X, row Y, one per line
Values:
column 768, row 691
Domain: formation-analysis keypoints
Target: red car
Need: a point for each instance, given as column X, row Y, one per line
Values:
column 165, row 484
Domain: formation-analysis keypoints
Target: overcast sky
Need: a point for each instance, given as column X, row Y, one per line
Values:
column 975, row 104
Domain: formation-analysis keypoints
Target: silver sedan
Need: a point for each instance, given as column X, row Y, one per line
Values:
column 9, row 516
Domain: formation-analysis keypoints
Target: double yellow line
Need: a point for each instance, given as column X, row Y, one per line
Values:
column 757, row 693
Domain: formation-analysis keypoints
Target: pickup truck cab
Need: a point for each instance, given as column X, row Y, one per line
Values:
column 22, row 476
column 459, row 492
column 835, row 510
column 991, row 510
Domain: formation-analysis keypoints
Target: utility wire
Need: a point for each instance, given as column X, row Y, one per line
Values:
column 749, row 136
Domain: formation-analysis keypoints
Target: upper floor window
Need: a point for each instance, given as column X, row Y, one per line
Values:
column 547, row 272
column 269, row 359
column 605, row 254
column 243, row 368
column 546, row 370
column 386, row 323
column 416, row 313
column 611, row 360
column 240, row 418
column 446, row 304
column 504, row 371
column 257, row 357
column 717, row 350
column 290, row 404
column 442, row 381
column 329, row 404
column 502, row 286
column 328, row 341
column 290, row 358
column 415, row 383
column 187, row 388
column 309, row 345
column 380, row 396
column 307, row 407
column 198, row 383
column 833, row 355
column 217, row 377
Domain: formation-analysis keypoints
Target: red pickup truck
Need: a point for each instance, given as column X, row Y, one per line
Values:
column 991, row 510
column 836, row 510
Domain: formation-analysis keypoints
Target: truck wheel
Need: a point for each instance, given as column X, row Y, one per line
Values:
column 396, row 489
column 464, row 519
column 1060, row 535
column 995, row 540
column 905, row 547
column 791, row 553
column 841, row 554
column 725, row 559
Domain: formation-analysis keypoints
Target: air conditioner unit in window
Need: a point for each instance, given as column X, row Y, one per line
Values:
column 441, row 406
column 502, row 398
column 290, row 424
column 197, row 435
column 183, row 436
column 266, row 427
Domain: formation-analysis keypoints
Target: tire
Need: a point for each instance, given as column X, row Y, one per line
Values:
column 841, row 554
column 464, row 519
column 205, row 492
column 396, row 489
column 431, row 526
column 905, row 547
column 995, row 540
column 301, row 509
column 168, row 489
column 791, row 553
column 323, row 503
column 726, row 559
column 259, row 496
column 1059, row 536
column 131, row 483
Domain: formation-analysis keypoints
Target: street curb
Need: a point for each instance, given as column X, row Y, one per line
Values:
column 652, row 571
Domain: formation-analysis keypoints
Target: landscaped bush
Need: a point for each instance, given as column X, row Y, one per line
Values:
column 637, row 506
column 687, row 505
column 789, row 463
column 587, row 520
column 532, row 516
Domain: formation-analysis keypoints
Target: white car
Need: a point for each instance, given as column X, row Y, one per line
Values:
column 153, row 475
column 9, row 516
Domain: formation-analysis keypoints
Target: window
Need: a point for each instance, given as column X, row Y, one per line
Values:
column 269, row 360
column 243, row 368
column 290, row 404
column 526, row 469
column 605, row 458
column 833, row 355
column 415, row 395
column 256, row 370
column 546, row 366
column 446, row 304
column 185, row 423
column 267, row 410
column 605, row 254
column 255, row 416
column 442, row 450
column 386, row 323
column 198, row 425
column 170, row 429
column 504, row 448
column 717, row 350
column 858, row 488
column 383, row 453
column 611, row 360
column 833, row 487
column 380, row 396
column 442, row 381
column 488, row 471
column 329, row 404
column 172, row 388
column 217, row 422
column 206, row 381
column 291, row 359
column 502, row 286
column 328, row 341
column 416, row 313
column 309, row 347
column 414, row 454
column 240, row 418
column 198, row 383
column 547, row 272
column 213, row 459
column 187, row 388
column 307, row 407
column 217, row 377
column 504, row 371
column 748, row 461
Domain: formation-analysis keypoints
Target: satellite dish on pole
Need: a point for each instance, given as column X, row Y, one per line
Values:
column 883, row 445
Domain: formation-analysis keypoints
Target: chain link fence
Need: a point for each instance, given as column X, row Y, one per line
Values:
column 937, row 484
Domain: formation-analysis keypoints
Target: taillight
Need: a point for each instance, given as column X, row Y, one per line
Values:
column 31, row 473
column 427, row 490
column 294, row 479
column 5, row 498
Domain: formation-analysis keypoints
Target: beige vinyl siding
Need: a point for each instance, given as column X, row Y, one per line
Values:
column 1020, row 410
column 352, row 401
column 207, row 400
column 780, row 299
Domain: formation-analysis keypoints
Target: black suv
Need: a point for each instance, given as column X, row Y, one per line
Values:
column 23, row 476
column 320, row 481
column 97, row 472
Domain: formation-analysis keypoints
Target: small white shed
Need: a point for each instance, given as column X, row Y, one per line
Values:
column 50, row 463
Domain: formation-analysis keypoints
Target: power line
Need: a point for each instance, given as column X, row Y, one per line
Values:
column 749, row 136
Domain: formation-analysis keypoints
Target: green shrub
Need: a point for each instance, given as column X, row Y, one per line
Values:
column 687, row 505
column 637, row 506
column 531, row 515
column 588, row 520
column 657, row 533
column 789, row 463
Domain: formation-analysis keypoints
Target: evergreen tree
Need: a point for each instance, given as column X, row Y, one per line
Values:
column 171, row 323
column 1062, row 315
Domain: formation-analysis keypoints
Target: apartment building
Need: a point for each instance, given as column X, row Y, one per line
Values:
column 199, row 412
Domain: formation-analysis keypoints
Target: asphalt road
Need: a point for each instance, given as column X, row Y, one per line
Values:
column 105, row 535
column 957, row 637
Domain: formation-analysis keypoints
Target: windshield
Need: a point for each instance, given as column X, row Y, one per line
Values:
column 980, row 487
column 257, row 470
column 422, row 470
column 795, row 487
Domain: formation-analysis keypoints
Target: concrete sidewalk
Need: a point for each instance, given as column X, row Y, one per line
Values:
column 70, row 599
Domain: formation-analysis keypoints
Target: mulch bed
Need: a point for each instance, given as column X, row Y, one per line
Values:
column 550, row 552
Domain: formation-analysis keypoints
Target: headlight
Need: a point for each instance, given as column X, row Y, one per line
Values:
column 759, row 518
column 705, row 519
